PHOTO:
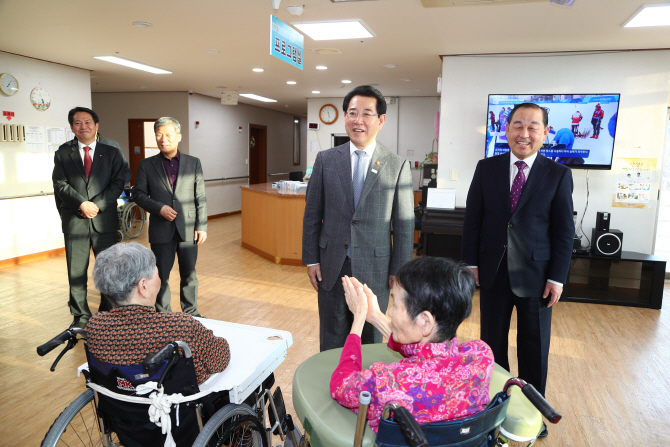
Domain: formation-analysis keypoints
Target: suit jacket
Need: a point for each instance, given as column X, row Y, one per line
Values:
column 330, row 223
column 153, row 190
column 537, row 237
column 109, row 174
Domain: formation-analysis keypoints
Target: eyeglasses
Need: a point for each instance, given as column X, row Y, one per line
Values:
column 365, row 116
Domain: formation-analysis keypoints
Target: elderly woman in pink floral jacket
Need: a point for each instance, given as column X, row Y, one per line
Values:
column 438, row 379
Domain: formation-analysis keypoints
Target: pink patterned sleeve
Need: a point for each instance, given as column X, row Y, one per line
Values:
column 348, row 380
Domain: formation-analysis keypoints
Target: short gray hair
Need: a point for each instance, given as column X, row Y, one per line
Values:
column 119, row 268
column 166, row 121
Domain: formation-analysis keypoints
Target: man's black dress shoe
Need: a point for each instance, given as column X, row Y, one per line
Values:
column 544, row 433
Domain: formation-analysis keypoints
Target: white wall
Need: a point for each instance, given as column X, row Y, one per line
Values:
column 642, row 78
column 115, row 109
column 32, row 225
column 224, row 150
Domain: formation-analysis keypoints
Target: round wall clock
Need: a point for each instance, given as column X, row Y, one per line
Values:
column 40, row 99
column 328, row 114
column 9, row 84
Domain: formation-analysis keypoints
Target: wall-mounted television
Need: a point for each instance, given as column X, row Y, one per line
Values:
column 581, row 127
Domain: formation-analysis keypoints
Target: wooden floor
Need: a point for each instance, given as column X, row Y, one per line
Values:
column 609, row 368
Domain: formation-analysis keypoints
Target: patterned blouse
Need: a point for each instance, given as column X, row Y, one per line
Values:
column 126, row 335
column 434, row 381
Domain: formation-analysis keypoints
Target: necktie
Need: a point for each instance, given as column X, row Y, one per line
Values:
column 87, row 161
column 517, row 184
column 359, row 179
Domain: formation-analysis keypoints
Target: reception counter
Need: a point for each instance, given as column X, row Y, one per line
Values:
column 272, row 223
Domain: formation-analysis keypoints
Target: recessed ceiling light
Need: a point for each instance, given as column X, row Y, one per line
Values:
column 321, row 67
column 326, row 51
column 142, row 24
column 335, row 29
column 291, row 82
column 257, row 98
column 405, row 80
column 650, row 15
column 258, row 70
column 316, row 92
column 212, row 51
column 346, row 81
column 221, row 86
column 390, row 66
column 132, row 64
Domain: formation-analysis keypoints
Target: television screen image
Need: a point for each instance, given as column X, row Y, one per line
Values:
column 581, row 127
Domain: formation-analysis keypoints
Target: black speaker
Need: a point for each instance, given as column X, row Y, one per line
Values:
column 603, row 221
column 606, row 243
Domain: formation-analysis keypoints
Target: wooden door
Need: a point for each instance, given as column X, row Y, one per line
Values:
column 136, row 144
column 257, row 153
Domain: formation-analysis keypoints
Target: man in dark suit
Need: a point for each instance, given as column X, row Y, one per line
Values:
column 517, row 236
column 88, row 178
column 358, row 193
column 170, row 186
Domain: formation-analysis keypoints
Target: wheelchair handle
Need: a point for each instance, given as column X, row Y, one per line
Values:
column 59, row 339
column 536, row 399
column 153, row 361
column 409, row 427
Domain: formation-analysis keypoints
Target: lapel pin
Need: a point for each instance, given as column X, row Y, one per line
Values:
column 374, row 171
column 379, row 162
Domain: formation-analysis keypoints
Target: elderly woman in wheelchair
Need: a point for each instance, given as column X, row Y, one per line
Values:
column 148, row 373
column 437, row 379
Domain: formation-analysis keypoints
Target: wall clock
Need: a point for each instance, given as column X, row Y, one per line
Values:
column 9, row 84
column 40, row 99
column 328, row 114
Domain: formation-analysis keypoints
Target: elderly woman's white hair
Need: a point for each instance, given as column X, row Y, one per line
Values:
column 119, row 268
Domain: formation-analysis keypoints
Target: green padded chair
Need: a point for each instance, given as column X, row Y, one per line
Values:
column 328, row 424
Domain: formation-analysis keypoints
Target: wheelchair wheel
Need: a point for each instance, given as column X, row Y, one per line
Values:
column 78, row 425
column 119, row 235
column 132, row 221
column 233, row 425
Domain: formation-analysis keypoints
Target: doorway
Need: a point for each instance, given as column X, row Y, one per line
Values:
column 258, row 135
column 137, row 143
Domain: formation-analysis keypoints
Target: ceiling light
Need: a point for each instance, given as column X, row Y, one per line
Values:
column 142, row 24
column 291, row 82
column 390, row 66
column 321, row 67
column 132, row 64
column 316, row 92
column 295, row 11
column 212, row 51
column 257, row 98
column 258, row 70
column 346, row 81
column 221, row 86
column 335, row 30
column 405, row 80
column 650, row 15
column 296, row 121
column 326, row 51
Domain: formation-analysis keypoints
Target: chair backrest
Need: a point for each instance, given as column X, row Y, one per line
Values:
column 473, row 431
column 130, row 420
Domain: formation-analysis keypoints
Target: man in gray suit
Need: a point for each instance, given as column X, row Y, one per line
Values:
column 88, row 177
column 357, row 195
column 170, row 186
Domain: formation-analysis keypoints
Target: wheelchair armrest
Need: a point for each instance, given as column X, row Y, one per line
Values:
column 409, row 427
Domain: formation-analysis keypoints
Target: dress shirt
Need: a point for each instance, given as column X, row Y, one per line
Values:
column 513, row 168
column 171, row 169
column 366, row 161
column 82, row 152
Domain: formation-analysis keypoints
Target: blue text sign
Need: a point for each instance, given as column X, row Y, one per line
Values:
column 286, row 43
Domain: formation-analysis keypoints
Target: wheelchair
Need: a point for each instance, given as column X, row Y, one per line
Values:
column 231, row 408
column 513, row 414
column 132, row 217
